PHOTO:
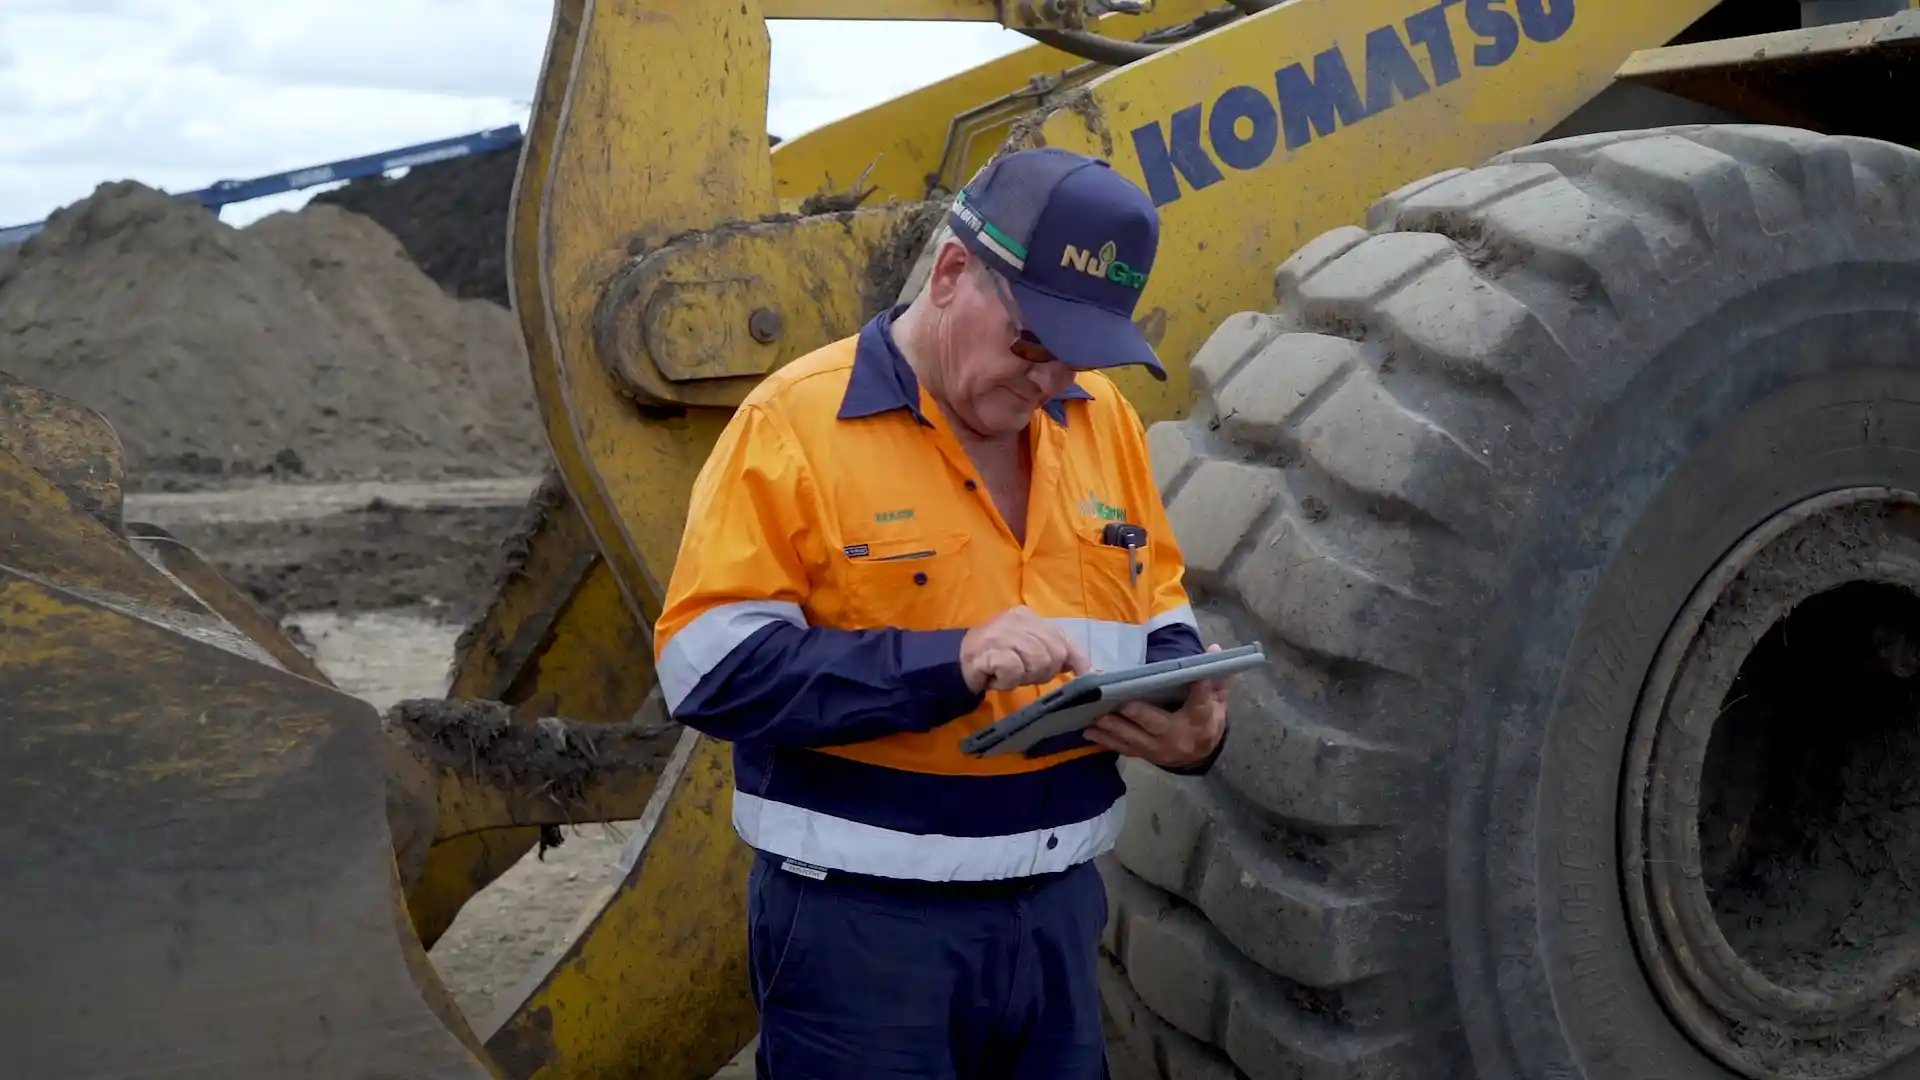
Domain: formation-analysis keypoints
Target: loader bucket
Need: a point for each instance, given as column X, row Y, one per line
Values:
column 196, row 871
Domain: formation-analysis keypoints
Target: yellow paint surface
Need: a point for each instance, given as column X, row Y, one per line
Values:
column 657, row 987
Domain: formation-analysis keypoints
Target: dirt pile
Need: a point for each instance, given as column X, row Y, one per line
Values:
column 450, row 216
column 308, row 345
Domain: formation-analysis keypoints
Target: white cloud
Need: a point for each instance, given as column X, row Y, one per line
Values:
column 477, row 50
column 180, row 96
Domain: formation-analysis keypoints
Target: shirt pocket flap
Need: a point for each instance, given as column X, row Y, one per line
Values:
column 906, row 549
column 912, row 582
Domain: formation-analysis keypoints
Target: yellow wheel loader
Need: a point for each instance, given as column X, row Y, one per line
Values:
column 1545, row 396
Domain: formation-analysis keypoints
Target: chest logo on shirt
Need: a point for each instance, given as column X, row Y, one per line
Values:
column 1093, row 507
column 885, row 516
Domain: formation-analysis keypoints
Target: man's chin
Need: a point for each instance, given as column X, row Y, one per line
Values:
column 1014, row 422
column 998, row 419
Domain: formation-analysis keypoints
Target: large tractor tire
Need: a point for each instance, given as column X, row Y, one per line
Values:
column 1576, row 500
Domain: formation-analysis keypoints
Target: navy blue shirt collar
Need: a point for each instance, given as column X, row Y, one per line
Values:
column 881, row 381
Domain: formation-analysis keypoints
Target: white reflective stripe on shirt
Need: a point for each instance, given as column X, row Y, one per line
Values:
column 700, row 646
column 1180, row 615
column 1110, row 645
column 838, row 844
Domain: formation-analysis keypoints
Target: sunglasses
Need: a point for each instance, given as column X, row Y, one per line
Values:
column 1025, row 345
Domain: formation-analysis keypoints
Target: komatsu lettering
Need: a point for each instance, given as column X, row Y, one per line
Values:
column 1243, row 126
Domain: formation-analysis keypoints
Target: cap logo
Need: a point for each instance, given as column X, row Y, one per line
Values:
column 1105, row 264
column 1009, row 250
column 967, row 213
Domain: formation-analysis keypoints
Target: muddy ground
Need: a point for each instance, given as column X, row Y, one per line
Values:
column 353, row 547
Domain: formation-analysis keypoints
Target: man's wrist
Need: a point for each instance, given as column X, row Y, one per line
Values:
column 1204, row 765
column 930, row 665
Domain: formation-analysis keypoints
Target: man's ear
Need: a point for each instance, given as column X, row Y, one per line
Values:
column 950, row 265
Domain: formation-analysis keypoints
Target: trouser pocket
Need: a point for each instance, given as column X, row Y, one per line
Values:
column 774, row 902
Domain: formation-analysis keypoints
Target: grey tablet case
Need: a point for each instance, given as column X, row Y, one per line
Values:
column 1080, row 702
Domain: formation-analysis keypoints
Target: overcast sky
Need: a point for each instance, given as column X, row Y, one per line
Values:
column 179, row 94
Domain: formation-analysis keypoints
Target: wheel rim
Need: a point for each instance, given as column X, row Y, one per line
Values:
column 1771, row 812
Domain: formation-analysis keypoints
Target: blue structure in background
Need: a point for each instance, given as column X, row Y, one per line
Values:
column 223, row 192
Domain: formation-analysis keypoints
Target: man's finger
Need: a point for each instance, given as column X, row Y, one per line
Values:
column 1123, row 735
column 1072, row 654
column 1005, row 669
column 1155, row 722
column 1104, row 738
column 1205, row 692
column 1056, row 645
column 1077, row 658
column 1027, row 654
column 1059, row 650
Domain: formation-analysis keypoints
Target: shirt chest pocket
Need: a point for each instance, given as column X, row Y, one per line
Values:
column 914, row 583
column 1113, row 580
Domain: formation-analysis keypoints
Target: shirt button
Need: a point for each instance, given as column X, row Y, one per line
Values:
column 1052, row 842
column 971, row 486
column 920, row 579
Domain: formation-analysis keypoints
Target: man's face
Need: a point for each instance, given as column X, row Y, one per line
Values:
column 993, row 378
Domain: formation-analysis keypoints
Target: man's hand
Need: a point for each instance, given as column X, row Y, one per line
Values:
column 1171, row 740
column 1017, row 648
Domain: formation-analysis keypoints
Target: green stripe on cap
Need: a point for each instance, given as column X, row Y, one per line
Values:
column 995, row 247
column 1019, row 250
column 998, row 242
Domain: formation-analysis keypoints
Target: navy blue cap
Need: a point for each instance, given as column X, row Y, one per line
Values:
column 1076, row 240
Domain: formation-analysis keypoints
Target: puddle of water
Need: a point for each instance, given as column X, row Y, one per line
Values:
column 381, row 656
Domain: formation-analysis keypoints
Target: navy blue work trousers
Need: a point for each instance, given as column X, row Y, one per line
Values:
column 859, row 978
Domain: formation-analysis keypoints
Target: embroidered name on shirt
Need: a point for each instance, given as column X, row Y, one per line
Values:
column 885, row 516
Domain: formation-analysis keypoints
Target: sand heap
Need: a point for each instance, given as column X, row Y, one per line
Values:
column 308, row 343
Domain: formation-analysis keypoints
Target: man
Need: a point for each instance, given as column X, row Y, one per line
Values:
column 898, row 539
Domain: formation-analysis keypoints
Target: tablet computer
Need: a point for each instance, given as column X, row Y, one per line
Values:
column 1075, row 705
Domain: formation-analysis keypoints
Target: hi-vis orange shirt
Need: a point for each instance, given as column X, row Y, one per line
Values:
column 838, row 546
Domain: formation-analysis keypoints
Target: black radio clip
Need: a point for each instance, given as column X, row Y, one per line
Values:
column 1122, row 534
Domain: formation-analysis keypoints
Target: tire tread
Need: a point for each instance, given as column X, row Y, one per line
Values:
column 1357, row 463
